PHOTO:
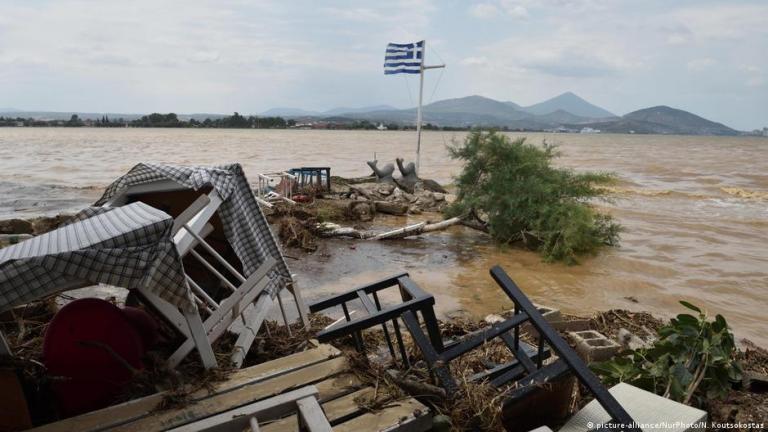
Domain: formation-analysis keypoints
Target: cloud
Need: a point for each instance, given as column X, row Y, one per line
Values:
column 515, row 8
column 729, row 21
column 700, row 64
column 475, row 61
column 755, row 77
column 484, row 10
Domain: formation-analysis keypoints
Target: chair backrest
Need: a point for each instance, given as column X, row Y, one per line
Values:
column 528, row 372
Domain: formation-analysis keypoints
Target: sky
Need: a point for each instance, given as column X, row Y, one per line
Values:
column 139, row 56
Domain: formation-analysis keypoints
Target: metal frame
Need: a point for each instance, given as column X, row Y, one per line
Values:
column 313, row 176
column 304, row 400
column 568, row 359
column 528, row 371
column 266, row 196
column 414, row 300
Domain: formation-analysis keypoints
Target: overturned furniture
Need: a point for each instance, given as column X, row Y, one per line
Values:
column 547, row 361
column 317, row 178
column 259, row 391
column 274, row 187
column 414, row 300
column 130, row 247
column 529, row 373
column 233, row 263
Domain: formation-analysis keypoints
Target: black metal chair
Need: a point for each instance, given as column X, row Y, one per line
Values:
column 528, row 372
column 414, row 301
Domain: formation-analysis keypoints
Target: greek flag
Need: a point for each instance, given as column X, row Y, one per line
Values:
column 404, row 58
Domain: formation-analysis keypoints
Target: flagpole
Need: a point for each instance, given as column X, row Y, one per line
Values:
column 418, row 111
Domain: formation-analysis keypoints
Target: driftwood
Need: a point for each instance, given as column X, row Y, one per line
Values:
column 333, row 230
column 393, row 208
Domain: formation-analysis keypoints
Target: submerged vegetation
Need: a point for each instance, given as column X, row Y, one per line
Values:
column 515, row 191
column 693, row 358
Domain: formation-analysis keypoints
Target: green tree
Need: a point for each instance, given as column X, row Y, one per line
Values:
column 513, row 189
column 74, row 121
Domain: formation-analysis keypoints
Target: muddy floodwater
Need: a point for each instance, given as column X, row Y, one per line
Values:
column 695, row 210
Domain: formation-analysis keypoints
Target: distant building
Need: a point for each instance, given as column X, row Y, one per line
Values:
column 589, row 130
column 381, row 127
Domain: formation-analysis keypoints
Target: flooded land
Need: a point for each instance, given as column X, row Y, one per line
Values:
column 695, row 210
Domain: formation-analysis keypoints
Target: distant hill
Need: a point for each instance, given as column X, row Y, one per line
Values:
column 570, row 103
column 346, row 110
column 663, row 120
column 479, row 111
column 289, row 112
column 682, row 121
column 567, row 111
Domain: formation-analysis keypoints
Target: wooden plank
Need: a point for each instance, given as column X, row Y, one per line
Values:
column 336, row 411
column 408, row 416
column 250, row 392
column 312, row 415
column 139, row 408
column 238, row 418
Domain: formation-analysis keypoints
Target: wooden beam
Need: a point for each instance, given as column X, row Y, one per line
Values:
column 407, row 416
column 336, row 411
column 238, row 418
column 248, row 393
column 142, row 407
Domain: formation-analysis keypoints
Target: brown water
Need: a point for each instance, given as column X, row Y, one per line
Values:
column 695, row 210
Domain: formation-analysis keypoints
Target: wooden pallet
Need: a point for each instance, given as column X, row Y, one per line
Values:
column 325, row 367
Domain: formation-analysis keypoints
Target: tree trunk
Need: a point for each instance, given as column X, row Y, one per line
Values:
column 334, row 230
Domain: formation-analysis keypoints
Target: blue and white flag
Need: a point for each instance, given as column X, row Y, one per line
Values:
column 404, row 58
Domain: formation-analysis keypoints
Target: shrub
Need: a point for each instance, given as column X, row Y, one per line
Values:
column 693, row 357
column 512, row 187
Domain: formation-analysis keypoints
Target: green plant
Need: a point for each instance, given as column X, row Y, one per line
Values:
column 693, row 357
column 512, row 187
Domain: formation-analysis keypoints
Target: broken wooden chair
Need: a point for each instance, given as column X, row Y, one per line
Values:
column 233, row 264
column 414, row 301
column 528, row 372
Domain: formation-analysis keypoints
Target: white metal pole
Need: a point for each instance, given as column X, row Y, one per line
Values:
column 418, row 111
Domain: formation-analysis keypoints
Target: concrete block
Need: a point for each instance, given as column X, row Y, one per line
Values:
column 651, row 412
column 552, row 315
column 593, row 346
column 572, row 325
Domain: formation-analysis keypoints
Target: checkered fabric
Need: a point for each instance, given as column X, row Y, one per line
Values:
column 245, row 226
column 129, row 246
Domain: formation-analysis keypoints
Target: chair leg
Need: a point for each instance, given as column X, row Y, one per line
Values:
column 200, row 338
column 300, row 305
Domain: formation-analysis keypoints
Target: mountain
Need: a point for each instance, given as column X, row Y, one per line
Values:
column 345, row 110
column 662, row 120
column 682, row 121
column 290, row 112
column 570, row 103
column 477, row 105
